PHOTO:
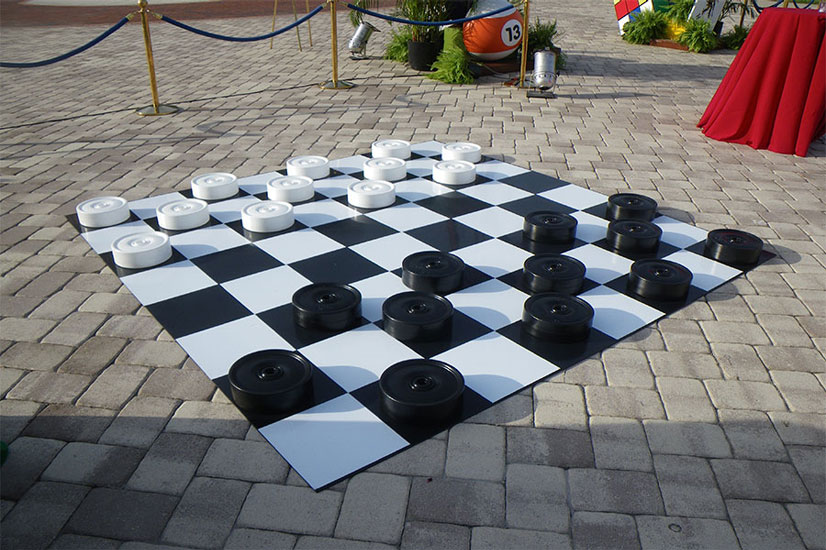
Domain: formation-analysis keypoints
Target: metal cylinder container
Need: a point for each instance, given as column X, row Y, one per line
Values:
column 544, row 69
column 358, row 44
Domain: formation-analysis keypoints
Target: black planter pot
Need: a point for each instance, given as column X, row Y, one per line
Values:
column 421, row 55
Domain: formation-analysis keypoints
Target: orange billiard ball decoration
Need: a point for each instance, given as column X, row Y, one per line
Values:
column 494, row 37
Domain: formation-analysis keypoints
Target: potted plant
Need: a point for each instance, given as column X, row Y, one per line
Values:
column 424, row 44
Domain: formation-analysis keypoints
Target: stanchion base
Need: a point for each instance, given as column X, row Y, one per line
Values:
column 515, row 83
column 546, row 94
column 162, row 110
column 337, row 85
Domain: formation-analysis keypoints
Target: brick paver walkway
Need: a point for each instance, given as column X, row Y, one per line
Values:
column 706, row 430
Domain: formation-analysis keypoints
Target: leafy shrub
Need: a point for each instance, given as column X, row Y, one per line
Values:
column 734, row 38
column 645, row 27
column 698, row 36
column 541, row 37
column 678, row 10
column 396, row 49
column 453, row 67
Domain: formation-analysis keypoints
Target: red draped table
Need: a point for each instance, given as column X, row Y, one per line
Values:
column 774, row 94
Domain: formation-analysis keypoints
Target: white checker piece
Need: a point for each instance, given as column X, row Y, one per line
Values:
column 216, row 349
column 335, row 186
column 420, row 167
column 375, row 290
column 618, row 315
column 297, row 245
column 601, row 266
column 145, row 208
column 494, row 257
column 492, row 303
column 417, row 189
column 357, row 357
column 427, row 148
column 230, row 210
column 589, row 228
column 266, row 289
column 101, row 239
column 390, row 251
column 207, row 240
column 406, row 216
column 706, row 273
column 497, row 170
column 495, row 366
column 493, row 221
column 494, row 192
column 349, row 165
column 257, row 184
column 678, row 233
column 574, row 196
column 332, row 439
column 317, row 213
column 169, row 281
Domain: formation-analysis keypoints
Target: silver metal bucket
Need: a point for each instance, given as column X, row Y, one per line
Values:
column 358, row 44
column 544, row 69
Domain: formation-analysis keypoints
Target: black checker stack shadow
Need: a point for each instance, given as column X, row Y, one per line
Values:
column 227, row 293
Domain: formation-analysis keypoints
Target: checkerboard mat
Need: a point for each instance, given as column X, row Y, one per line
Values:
column 227, row 292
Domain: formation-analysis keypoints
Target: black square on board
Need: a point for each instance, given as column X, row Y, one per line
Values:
column 620, row 284
column 281, row 320
column 197, row 311
column 109, row 259
column 253, row 236
column 518, row 238
column 534, row 182
column 453, row 204
column 561, row 354
column 462, row 329
column 417, row 431
column 235, row 263
column 323, row 390
column 663, row 249
column 339, row 266
column 516, row 280
column 534, row 203
column 352, row 231
column 448, row 235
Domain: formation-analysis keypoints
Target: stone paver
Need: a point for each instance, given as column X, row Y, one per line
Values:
column 666, row 533
column 763, row 525
column 536, row 498
column 720, row 400
column 476, row 452
column 603, row 531
column 373, row 508
column 206, row 513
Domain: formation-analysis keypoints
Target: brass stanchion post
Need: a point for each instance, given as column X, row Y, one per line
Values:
column 155, row 109
column 526, row 24
column 274, row 11
column 297, row 34
column 309, row 28
column 335, row 84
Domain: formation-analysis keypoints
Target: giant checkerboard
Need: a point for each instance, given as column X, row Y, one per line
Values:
column 227, row 292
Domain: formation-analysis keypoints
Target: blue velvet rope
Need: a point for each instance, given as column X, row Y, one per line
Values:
column 246, row 38
column 426, row 23
column 67, row 55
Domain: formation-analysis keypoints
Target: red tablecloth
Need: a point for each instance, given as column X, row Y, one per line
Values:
column 774, row 94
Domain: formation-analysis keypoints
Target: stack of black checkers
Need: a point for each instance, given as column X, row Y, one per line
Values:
column 270, row 381
column 327, row 306
column 421, row 390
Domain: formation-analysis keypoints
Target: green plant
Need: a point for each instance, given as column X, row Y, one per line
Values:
column 541, row 37
column 678, row 10
column 734, row 38
column 645, row 27
column 356, row 17
column 396, row 49
column 453, row 64
column 698, row 36
column 423, row 10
